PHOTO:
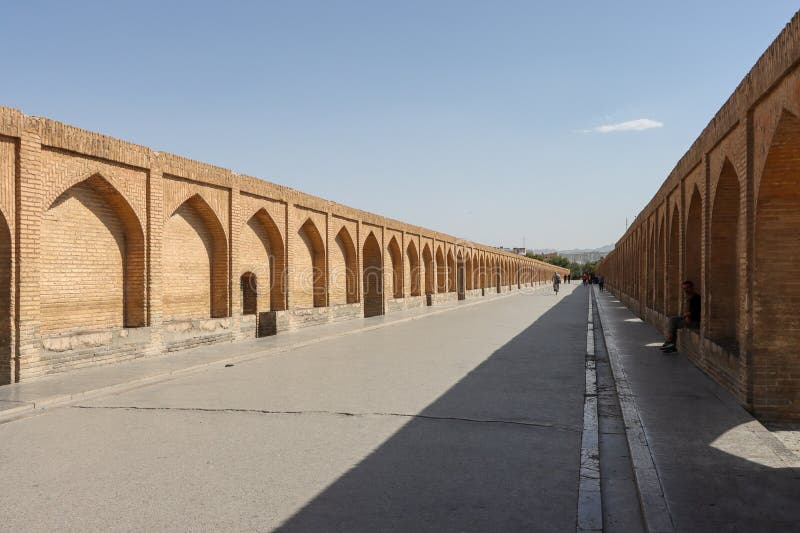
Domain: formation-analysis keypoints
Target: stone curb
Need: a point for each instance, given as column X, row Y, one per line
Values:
column 40, row 406
column 652, row 501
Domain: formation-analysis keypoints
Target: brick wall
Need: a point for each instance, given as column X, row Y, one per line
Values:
column 116, row 251
column 730, row 211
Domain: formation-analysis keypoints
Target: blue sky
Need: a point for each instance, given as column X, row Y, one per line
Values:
column 473, row 118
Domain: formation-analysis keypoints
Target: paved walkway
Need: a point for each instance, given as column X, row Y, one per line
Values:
column 473, row 419
column 468, row 420
column 717, row 468
column 22, row 399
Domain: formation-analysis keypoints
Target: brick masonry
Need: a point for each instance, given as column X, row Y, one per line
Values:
column 111, row 251
column 726, row 218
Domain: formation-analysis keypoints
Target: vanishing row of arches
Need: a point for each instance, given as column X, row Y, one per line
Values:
column 729, row 257
column 394, row 274
column 93, row 262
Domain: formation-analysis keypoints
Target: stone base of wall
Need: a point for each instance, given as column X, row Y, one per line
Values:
column 314, row 316
column 183, row 334
column 394, row 305
column 441, row 297
column 79, row 349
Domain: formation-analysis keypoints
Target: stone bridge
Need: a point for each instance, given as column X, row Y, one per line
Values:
column 727, row 218
column 110, row 251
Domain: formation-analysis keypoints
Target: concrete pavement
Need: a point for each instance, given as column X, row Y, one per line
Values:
column 466, row 421
column 29, row 397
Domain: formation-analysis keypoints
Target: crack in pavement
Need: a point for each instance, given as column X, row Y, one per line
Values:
column 546, row 425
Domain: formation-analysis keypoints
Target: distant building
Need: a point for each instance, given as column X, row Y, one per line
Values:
column 518, row 251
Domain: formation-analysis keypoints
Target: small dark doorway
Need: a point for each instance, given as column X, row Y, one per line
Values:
column 249, row 285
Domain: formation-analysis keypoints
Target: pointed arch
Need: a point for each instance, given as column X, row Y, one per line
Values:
column 776, row 332
column 660, row 254
column 373, row 276
column 651, row 260
column 723, row 278
column 395, row 260
column 451, row 271
column 195, row 263
column 263, row 254
column 413, row 268
column 673, row 263
column 429, row 267
column 693, row 240
column 92, row 260
column 343, row 270
column 470, row 272
column 441, row 277
column 7, row 367
column 89, row 172
column 461, row 281
column 310, row 272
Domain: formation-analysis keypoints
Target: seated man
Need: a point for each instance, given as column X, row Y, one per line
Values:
column 690, row 318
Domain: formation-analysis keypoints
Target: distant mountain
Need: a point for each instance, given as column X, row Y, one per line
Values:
column 603, row 249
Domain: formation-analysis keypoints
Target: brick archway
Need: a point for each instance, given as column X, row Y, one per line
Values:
column 470, row 272
column 343, row 270
column 776, row 286
column 395, row 260
column 310, row 269
column 428, row 265
column 195, row 263
column 660, row 245
column 673, row 262
column 693, row 241
column 412, row 265
column 723, row 289
column 461, row 276
column 262, row 252
column 7, row 366
column 372, row 277
column 441, row 285
column 93, row 261
column 451, row 272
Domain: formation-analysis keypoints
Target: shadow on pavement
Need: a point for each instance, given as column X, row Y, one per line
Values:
column 499, row 451
column 719, row 469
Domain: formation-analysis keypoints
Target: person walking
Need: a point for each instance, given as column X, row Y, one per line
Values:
column 556, row 282
column 600, row 281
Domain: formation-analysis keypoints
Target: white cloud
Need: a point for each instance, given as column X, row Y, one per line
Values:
column 632, row 125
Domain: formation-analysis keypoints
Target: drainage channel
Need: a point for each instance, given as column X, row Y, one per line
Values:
column 620, row 497
column 590, row 499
